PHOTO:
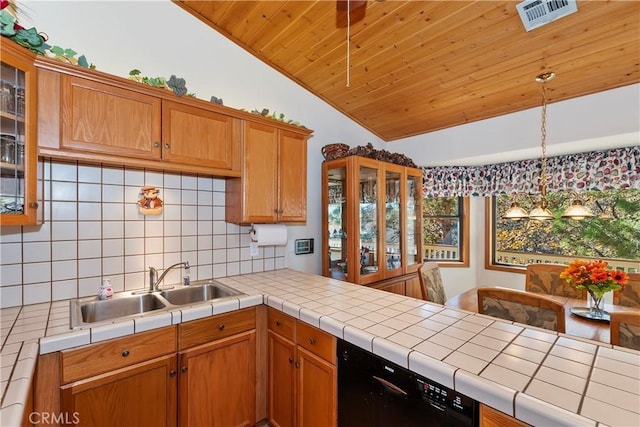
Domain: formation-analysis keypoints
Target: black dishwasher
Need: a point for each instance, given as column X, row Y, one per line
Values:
column 375, row 392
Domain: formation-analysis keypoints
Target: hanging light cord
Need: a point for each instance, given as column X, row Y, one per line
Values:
column 348, row 42
column 543, row 133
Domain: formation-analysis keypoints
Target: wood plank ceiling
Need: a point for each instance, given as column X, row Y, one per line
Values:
column 420, row 66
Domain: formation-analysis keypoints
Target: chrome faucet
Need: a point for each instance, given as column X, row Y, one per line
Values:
column 154, row 280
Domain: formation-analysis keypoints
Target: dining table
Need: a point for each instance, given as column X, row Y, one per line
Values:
column 575, row 325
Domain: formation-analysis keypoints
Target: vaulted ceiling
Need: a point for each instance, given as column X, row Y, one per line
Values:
column 420, row 66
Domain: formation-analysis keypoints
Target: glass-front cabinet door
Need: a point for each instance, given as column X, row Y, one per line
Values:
column 413, row 222
column 335, row 222
column 393, row 221
column 369, row 222
column 18, row 162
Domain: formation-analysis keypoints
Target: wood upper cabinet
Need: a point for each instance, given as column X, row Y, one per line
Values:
column 101, row 118
column 194, row 135
column 19, row 174
column 302, row 374
column 273, row 184
column 93, row 117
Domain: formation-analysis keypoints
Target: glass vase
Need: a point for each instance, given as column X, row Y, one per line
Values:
column 596, row 305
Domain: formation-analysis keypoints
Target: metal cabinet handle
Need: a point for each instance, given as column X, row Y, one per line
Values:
column 278, row 323
column 125, row 353
column 291, row 360
column 312, row 340
column 173, row 373
column 221, row 327
column 33, row 205
column 156, row 145
column 297, row 364
column 183, row 369
column 167, row 146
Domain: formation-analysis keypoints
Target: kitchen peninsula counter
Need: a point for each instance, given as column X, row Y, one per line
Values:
column 538, row 376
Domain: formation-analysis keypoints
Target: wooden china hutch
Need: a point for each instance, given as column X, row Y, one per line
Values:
column 372, row 223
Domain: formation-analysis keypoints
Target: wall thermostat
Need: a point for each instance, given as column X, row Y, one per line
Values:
column 303, row 246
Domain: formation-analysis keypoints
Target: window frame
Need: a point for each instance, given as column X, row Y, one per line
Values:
column 464, row 221
column 489, row 249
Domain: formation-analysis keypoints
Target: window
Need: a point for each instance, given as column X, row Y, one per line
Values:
column 613, row 235
column 445, row 225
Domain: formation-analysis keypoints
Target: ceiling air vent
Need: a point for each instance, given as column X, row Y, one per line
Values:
column 535, row 13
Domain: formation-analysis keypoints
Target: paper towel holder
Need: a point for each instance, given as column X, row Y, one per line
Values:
column 252, row 233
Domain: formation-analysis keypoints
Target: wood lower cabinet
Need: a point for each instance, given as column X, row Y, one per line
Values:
column 217, row 370
column 273, row 183
column 217, row 383
column 143, row 394
column 199, row 373
column 302, row 374
column 316, row 390
column 124, row 381
column 490, row 417
column 408, row 285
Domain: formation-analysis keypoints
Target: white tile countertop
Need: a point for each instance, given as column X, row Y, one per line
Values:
column 538, row 376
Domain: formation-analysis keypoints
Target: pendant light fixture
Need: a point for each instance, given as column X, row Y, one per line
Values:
column 541, row 212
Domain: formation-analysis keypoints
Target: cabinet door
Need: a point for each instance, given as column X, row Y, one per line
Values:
column 316, row 391
column 196, row 136
column 490, row 417
column 141, row 395
column 18, row 159
column 260, row 173
column 282, row 381
column 218, row 383
column 292, row 182
column 334, row 219
column 107, row 119
column 412, row 236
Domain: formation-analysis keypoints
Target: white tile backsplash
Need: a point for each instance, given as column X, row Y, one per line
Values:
column 94, row 229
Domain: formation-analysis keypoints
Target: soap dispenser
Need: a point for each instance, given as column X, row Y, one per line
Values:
column 106, row 291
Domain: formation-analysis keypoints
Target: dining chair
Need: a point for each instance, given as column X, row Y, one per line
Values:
column 431, row 283
column 545, row 279
column 625, row 329
column 522, row 307
column 630, row 295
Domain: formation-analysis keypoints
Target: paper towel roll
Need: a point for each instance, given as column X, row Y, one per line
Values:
column 269, row 234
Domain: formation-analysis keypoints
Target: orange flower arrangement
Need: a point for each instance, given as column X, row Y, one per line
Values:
column 594, row 277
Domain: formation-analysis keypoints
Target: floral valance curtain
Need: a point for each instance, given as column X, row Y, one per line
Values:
column 596, row 170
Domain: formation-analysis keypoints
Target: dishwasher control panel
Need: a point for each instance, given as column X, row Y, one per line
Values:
column 445, row 399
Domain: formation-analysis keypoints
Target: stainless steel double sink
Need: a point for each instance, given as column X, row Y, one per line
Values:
column 85, row 311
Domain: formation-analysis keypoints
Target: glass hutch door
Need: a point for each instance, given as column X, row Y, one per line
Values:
column 368, row 222
column 336, row 224
column 414, row 220
column 393, row 220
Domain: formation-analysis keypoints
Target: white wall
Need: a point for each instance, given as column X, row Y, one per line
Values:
column 160, row 39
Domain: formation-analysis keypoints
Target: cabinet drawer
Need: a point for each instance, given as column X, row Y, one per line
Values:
column 281, row 323
column 103, row 357
column 213, row 328
column 318, row 342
